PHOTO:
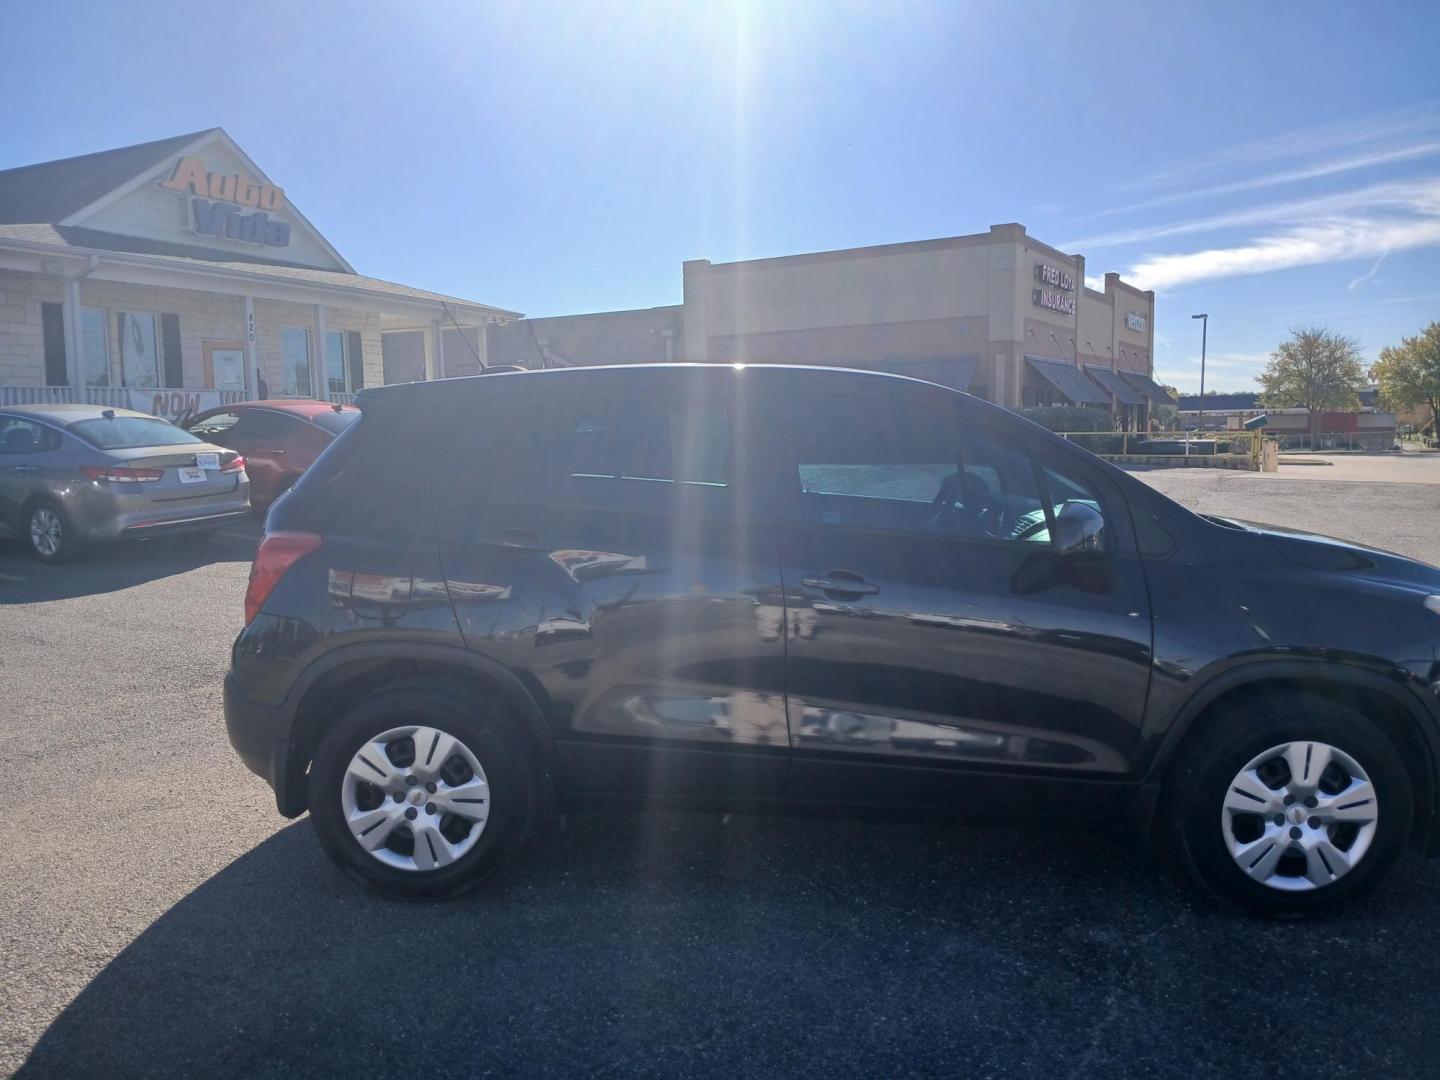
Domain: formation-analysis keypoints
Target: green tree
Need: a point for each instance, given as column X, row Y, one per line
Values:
column 1315, row 369
column 1409, row 373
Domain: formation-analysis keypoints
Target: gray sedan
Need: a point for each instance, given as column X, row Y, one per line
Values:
column 71, row 475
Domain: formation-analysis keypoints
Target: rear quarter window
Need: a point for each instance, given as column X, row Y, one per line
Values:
column 130, row 433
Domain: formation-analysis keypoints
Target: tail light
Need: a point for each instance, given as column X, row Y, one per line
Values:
column 234, row 465
column 121, row 474
column 278, row 551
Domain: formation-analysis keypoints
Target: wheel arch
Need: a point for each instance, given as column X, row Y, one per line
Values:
column 349, row 674
column 1396, row 708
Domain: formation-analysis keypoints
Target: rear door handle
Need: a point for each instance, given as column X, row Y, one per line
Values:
column 841, row 581
column 25, row 468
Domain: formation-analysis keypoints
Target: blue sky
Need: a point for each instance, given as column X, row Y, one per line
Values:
column 1271, row 164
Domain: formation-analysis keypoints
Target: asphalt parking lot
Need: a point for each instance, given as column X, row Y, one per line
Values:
column 157, row 918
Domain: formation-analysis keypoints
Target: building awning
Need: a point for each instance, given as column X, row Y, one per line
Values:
column 1149, row 387
column 1069, row 380
column 952, row 371
column 1123, row 392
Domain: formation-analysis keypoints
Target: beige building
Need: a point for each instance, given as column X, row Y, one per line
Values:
column 176, row 275
column 999, row 314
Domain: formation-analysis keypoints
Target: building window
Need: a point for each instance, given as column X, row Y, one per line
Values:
column 295, row 360
column 139, row 348
column 94, row 356
column 337, row 368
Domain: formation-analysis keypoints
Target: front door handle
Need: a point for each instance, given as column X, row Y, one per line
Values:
column 841, row 581
column 523, row 539
column 25, row 468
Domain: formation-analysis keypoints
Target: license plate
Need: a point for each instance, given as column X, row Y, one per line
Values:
column 189, row 475
column 207, row 461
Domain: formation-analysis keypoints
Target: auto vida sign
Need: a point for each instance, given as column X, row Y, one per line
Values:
column 231, row 205
column 1056, row 289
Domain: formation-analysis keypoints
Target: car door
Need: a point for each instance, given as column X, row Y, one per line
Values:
column 27, row 456
column 267, row 439
column 938, row 642
column 603, row 546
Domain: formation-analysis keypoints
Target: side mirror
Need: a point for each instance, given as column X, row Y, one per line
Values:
column 1079, row 527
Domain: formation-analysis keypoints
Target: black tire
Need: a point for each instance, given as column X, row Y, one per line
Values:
column 70, row 545
column 1201, row 781
column 497, row 743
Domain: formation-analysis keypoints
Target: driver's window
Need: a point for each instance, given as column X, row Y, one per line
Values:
column 901, row 466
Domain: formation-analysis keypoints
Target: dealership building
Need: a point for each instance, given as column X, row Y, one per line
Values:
column 176, row 274
column 999, row 314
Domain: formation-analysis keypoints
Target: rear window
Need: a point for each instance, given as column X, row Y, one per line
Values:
column 131, row 432
column 336, row 422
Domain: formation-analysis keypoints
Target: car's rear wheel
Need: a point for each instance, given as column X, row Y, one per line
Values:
column 420, row 791
column 48, row 530
column 1290, row 805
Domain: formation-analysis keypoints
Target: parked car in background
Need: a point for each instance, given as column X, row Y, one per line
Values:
column 752, row 585
column 278, row 439
column 71, row 475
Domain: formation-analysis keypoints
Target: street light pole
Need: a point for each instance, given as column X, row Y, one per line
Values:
column 1204, row 333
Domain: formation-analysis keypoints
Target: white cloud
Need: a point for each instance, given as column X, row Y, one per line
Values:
column 1383, row 129
column 1369, row 274
column 1414, row 151
column 1417, row 196
column 1334, row 240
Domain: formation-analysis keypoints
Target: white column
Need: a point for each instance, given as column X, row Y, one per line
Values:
column 252, row 363
column 437, row 328
column 70, row 318
column 319, row 358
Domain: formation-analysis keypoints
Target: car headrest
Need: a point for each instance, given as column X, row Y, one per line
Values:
column 19, row 440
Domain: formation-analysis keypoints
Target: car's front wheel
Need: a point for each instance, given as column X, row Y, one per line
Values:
column 421, row 791
column 1290, row 806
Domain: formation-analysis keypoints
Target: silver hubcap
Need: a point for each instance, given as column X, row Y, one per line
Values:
column 1299, row 816
column 45, row 531
column 415, row 798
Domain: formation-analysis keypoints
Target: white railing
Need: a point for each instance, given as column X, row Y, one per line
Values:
column 121, row 397
column 340, row 399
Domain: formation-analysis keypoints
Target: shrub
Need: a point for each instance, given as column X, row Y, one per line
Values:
column 1069, row 417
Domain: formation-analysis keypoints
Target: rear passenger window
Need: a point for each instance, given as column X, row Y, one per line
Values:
column 642, row 455
column 21, row 436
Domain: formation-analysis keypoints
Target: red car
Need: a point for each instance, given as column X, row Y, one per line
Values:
column 278, row 439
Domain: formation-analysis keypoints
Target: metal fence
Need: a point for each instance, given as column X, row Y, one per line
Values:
column 1166, row 444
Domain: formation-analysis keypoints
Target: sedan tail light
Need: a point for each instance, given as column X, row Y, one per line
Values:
column 234, row 465
column 119, row 474
column 278, row 551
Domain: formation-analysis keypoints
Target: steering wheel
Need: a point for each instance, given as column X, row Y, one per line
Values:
column 969, row 518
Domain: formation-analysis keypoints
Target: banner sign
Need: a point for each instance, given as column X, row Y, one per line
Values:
column 1136, row 321
column 174, row 404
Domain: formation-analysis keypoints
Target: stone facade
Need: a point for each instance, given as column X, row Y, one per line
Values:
column 202, row 316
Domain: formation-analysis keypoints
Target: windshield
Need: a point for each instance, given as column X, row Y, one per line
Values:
column 131, row 432
column 336, row 422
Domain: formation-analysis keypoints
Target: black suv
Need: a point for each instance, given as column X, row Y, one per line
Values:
column 775, row 586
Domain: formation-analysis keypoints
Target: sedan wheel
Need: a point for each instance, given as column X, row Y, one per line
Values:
column 415, row 798
column 47, row 532
column 1299, row 815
